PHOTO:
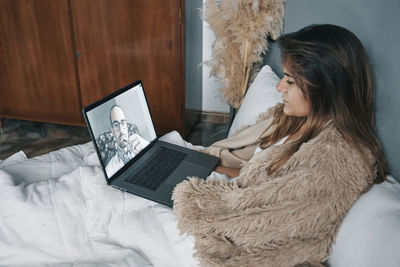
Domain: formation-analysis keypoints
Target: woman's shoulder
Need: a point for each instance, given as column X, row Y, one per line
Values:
column 328, row 140
column 331, row 146
column 328, row 134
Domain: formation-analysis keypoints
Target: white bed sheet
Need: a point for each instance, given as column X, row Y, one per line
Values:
column 57, row 210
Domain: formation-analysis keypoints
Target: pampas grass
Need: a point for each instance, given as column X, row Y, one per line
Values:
column 241, row 28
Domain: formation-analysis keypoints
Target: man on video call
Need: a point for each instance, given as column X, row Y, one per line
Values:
column 126, row 146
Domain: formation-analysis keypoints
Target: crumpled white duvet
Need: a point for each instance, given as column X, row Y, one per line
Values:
column 57, row 210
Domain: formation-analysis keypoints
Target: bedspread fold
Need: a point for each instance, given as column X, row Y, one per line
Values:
column 76, row 219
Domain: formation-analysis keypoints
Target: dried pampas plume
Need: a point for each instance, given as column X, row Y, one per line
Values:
column 241, row 28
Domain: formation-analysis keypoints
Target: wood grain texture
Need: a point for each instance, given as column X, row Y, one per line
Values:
column 121, row 41
column 37, row 69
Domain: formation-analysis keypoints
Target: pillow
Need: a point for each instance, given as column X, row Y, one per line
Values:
column 261, row 95
column 370, row 232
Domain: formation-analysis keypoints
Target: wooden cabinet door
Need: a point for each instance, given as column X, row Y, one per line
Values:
column 37, row 68
column 121, row 41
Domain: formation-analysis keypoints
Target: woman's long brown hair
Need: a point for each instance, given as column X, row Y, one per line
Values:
column 331, row 67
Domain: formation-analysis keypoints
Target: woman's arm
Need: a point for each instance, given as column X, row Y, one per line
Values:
column 230, row 172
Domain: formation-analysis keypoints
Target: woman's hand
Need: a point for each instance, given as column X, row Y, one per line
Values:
column 230, row 172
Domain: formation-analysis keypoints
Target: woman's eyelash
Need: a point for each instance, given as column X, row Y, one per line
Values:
column 290, row 82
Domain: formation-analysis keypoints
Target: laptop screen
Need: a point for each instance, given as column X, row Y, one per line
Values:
column 121, row 127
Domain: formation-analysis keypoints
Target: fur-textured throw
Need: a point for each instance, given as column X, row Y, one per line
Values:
column 287, row 219
column 238, row 149
column 241, row 29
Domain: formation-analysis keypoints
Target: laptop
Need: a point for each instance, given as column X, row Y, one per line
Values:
column 131, row 156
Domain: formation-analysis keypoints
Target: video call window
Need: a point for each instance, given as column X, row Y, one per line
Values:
column 122, row 127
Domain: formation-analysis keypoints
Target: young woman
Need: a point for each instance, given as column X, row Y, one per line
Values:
column 300, row 167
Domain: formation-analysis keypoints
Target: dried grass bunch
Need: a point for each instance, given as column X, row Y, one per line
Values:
column 241, row 28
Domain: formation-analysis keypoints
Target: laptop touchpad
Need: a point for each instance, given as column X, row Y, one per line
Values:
column 187, row 169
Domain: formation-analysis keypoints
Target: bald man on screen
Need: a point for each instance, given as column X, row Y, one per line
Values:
column 126, row 146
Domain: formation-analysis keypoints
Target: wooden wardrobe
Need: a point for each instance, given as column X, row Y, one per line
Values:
column 58, row 56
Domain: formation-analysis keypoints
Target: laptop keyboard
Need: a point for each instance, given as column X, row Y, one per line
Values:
column 157, row 168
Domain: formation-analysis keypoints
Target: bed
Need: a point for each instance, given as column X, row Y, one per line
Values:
column 57, row 210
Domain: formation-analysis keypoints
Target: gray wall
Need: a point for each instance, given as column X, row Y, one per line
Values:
column 377, row 24
column 193, row 54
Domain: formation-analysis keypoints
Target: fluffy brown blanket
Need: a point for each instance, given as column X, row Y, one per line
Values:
column 289, row 219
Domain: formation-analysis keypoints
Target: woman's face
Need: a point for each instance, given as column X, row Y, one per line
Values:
column 295, row 104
